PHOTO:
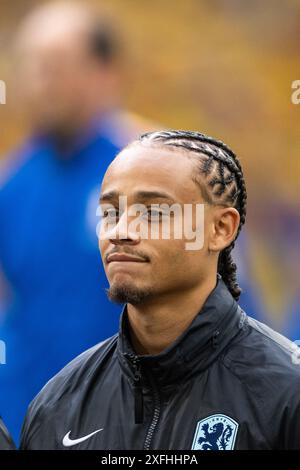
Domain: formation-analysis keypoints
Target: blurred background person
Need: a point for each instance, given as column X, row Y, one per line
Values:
column 55, row 304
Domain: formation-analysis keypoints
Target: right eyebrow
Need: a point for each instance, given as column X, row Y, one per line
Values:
column 109, row 196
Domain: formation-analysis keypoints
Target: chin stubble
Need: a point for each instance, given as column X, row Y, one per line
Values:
column 128, row 295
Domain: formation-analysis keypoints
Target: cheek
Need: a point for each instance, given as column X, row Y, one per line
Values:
column 179, row 268
column 191, row 262
column 103, row 245
column 172, row 255
column 208, row 227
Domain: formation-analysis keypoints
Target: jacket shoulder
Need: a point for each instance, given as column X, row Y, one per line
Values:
column 266, row 349
column 76, row 370
column 266, row 362
column 267, row 365
column 74, row 375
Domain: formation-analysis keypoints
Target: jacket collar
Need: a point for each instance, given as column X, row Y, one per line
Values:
column 219, row 320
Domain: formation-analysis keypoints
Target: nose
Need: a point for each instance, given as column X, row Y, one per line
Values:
column 123, row 233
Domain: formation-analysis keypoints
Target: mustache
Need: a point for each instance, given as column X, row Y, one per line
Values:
column 126, row 251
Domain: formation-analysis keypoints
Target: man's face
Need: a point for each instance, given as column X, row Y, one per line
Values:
column 158, row 266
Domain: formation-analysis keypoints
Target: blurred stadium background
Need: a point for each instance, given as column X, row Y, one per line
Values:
column 223, row 67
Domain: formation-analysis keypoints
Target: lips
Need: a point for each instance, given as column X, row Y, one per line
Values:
column 123, row 258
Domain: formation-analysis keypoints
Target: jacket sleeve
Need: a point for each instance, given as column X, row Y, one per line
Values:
column 24, row 443
column 29, row 428
column 6, row 442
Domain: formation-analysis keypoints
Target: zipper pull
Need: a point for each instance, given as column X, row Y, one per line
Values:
column 215, row 339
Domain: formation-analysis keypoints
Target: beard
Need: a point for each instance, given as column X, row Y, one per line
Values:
column 124, row 294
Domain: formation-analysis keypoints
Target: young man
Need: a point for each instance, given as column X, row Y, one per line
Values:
column 188, row 369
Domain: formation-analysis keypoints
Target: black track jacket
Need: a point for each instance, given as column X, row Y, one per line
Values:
column 228, row 382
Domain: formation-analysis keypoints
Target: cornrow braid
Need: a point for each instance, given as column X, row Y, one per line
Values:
column 225, row 184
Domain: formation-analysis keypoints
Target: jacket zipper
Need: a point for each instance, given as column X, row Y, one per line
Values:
column 157, row 404
column 155, row 418
column 138, row 401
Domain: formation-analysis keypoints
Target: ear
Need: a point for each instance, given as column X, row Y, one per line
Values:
column 224, row 227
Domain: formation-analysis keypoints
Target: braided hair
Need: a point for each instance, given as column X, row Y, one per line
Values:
column 225, row 184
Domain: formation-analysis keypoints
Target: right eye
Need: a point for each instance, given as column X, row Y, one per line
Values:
column 111, row 214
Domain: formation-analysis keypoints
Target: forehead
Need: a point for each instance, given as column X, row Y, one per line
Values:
column 54, row 30
column 152, row 168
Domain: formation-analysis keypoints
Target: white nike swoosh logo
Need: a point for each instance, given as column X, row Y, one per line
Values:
column 67, row 442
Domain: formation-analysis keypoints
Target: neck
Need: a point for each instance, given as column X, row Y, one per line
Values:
column 66, row 137
column 154, row 326
column 64, row 133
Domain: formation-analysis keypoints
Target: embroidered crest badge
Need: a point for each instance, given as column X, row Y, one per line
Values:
column 216, row 432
